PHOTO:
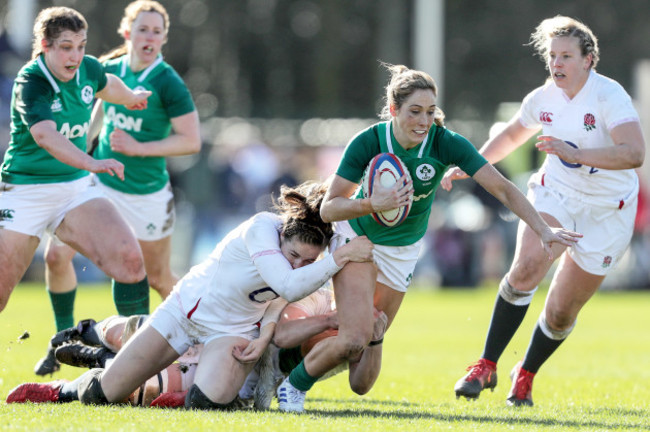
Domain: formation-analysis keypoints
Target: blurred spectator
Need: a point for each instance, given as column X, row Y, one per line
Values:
column 258, row 166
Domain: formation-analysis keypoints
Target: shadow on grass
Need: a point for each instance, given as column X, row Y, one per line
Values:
column 364, row 411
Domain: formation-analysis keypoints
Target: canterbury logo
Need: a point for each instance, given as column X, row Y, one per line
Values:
column 6, row 214
column 546, row 117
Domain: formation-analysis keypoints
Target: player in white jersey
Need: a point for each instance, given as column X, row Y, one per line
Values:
column 266, row 261
column 593, row 141
column 301, row 326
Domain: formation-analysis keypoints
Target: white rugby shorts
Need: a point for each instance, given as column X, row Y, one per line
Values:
column 607, row 230
column 151, row 216
column 33, row 209
column 182, row 333
column 395, row 264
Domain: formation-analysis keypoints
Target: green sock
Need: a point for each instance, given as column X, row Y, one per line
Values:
column 300, row 379
column 63, row 307
column 131, row 299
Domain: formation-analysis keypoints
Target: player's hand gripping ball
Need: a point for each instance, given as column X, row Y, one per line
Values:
column 387, row 168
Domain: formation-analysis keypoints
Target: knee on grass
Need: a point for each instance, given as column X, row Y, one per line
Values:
column 360, row 388
column 196, row 399
column 90, row 388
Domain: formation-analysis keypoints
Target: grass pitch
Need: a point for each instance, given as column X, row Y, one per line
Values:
column 598, row 380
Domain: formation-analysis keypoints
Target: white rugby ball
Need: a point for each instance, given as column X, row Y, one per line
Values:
column 387, row 168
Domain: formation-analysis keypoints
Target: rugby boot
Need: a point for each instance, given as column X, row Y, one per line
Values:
column 36, row 392
column 522, row 387
column 48, row 364
column 83, row 331
column 482, row 375
column 290, row 399
column 170, row 400
column 76, row 354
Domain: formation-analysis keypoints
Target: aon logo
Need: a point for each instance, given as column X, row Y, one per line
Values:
column 75, row 131
column 123, row 121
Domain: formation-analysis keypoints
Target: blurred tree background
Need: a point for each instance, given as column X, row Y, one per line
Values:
column 319, row 58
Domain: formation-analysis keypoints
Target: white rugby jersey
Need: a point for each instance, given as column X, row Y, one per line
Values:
column 245, row 274
column 584, row 122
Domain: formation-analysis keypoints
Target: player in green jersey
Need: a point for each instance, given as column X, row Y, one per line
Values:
column 140, row 140
column 44, row 178
column 414, row 131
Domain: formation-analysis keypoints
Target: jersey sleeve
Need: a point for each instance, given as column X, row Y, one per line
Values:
column 34, row 97
column 361, row 148
column 263, row 243
column 96, row 72
column 462, row 153
column 527, row 113
column 175, row 96
column 617, row 106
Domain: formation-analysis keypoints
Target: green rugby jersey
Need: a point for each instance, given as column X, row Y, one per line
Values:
column 37, row 95
column 170, row 98
column 426, row 162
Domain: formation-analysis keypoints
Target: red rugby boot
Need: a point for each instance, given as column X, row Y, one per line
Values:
column 522, row 387
column 482, row 375
column 36, row 392
column 170, row 400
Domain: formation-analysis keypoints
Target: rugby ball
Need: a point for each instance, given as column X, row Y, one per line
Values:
column 387, row 168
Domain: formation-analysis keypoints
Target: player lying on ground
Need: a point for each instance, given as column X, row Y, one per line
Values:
column 303, row 324
column 263, row 263
column 266, row 261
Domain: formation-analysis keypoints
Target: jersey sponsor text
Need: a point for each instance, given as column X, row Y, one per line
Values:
column 124, row 122
column 75, row 131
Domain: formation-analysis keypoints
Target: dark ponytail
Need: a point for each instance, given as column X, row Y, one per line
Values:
column 300, row 210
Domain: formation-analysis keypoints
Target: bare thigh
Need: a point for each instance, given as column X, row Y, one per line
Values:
column 157, row 255
column 530, row 263
column 219, row 375
column 96, row 229
column 388, row 300
column 570, row 290
column 16, row 253
column 354, row 288
column 144, row 355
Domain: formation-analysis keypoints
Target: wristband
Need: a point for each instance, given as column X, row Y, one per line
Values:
column 376, row 342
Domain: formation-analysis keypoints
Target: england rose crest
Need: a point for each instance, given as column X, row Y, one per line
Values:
column 590, row 122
